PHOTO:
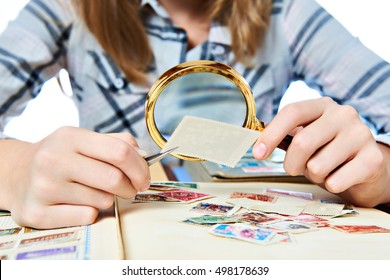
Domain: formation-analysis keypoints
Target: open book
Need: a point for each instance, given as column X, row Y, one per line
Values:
column 226, row 221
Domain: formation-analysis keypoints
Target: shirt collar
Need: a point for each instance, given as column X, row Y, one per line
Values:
column 156, row 6
column 218, row 34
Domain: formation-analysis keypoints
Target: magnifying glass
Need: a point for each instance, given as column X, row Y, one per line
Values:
column 205, row 89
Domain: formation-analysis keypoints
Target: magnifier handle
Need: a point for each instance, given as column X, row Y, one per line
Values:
column 285, row 142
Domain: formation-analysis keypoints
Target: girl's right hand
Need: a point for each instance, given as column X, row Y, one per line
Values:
column 65, row 179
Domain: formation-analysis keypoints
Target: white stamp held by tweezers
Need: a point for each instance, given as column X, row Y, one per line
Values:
column 211, row 140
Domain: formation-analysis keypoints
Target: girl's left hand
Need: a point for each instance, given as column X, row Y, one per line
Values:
column 333, row 148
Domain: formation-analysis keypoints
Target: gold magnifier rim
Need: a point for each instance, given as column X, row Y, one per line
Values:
column 198, row 66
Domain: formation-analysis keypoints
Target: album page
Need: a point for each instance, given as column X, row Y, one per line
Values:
column 218, row 221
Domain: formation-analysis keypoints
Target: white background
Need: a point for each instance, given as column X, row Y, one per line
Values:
column 366, row 19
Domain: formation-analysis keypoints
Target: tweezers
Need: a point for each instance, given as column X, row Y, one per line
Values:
column 157, row 157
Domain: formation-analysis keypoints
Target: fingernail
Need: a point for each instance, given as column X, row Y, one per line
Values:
column 141, row 152
column 146, row 187
column 260, row 150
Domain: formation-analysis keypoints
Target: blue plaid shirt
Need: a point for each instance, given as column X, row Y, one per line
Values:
column 304, row 43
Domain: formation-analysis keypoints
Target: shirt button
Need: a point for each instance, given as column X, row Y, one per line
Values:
column 119, row 83
column 218, row 49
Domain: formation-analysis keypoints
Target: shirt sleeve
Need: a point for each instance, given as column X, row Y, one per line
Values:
column 327, row 57
column 32, row 50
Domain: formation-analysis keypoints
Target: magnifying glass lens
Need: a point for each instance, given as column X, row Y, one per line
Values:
column 205, row 95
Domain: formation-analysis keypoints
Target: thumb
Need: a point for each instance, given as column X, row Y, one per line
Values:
column 127, row 137
column 260, row 150
column 274, row 135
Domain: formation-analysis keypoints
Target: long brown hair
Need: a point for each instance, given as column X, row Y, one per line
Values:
column 118, row 27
